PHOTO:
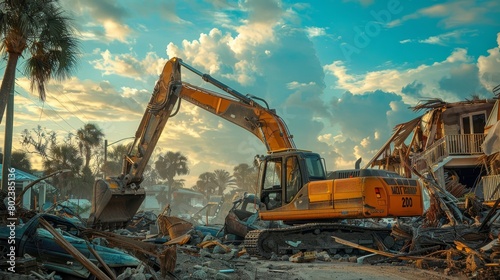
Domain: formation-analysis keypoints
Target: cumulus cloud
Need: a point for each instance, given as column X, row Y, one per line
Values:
column 394, row 80
column 263, row 16
column 488, row 66
column 454, row 13
column 444, row 39
column 362, row 118
column 167, row 10
column 207, row 52
column 128, row 65
column 364, row 123
column 103, row 19
column 258, row 61
column 315, row 31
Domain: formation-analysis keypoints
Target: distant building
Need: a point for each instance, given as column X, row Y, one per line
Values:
column 34, row 197
column 150, row 202
column 184, row 200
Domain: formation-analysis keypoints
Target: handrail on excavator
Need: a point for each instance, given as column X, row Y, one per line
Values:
column 217, row 83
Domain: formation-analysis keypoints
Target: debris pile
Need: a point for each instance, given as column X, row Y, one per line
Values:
column 458, row 240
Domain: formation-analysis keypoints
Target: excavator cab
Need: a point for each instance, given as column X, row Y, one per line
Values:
column 283, row 174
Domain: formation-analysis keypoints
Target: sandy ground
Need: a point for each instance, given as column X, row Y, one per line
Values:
column 342, row 270
column 345, row 270
column 217, row 266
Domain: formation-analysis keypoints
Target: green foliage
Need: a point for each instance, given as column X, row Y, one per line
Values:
column 114, row 161
column 206, row 184
column 38, row 140
column 66, row 155
column 170, row 165
column 223, row 179
column 20, row 160
column 89, row 137
column 39, row 32
column 246, row 177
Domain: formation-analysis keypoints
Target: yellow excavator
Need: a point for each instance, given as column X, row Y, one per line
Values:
column 293, row 184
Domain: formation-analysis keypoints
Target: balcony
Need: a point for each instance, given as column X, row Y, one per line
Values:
column 450, row 145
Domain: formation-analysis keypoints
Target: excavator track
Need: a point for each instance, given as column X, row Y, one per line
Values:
column 316, row 237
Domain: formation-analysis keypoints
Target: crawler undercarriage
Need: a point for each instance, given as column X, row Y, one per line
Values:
column 318, row 237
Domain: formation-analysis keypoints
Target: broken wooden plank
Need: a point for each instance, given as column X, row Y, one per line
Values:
column 73, row 251
column 180, row 240
column 278, row 270
column 383, row 253
column 357, row 246
column 101, row 261
column 168, row 260
column 490, row 214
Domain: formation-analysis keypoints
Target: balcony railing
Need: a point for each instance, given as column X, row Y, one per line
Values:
column 462, row 144
column 490, row 185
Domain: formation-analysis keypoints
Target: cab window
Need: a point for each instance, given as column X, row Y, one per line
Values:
column 272, row 176
column 315, row 167
column 293, row 178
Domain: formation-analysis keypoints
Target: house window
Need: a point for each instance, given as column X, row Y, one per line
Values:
column 473, row 123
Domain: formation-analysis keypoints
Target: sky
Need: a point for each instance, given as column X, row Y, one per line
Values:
column 340, row 73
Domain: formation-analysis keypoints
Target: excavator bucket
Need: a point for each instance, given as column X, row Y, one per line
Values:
column 113, row 207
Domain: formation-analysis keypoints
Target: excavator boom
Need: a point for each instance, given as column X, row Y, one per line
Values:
column 117, row 199
column 261, row 122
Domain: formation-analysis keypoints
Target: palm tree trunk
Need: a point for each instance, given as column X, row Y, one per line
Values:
column 170, row 191
column 7, row 95
column 87, row 156
column 9, row 78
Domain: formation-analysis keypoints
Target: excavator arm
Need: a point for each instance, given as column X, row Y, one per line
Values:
column 116, row 199
column 241, row 110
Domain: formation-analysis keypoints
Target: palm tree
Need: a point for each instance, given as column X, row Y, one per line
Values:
column 223, row 179
column 90, row 136
column 245, row 177
column 39, row 28
column 170, row 165
column 206, row 184
column 20, row 160
column 61, row 157
column 114, row 160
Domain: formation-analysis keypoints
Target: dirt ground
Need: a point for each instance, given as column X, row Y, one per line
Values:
column 215, row 266
column 342, row 270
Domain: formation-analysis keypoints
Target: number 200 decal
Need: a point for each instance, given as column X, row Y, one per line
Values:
column 407, row 202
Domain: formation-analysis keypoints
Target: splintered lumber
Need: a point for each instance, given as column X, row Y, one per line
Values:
column 387, row 254
column 361, row 247
column 101, row 261
column 168, row 258
column 213, row 243
column 73, row 251
column 446, row 236
column 302, row 257
column 180, row 240
column 444, row 199
column 489, row 216
column 167, row 262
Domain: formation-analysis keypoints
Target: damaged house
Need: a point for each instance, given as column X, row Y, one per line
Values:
column 448, row 140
